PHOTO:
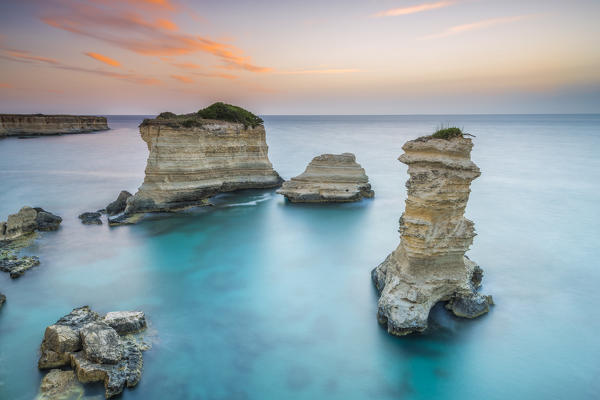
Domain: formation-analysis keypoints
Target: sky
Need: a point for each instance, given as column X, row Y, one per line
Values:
column 300, row 57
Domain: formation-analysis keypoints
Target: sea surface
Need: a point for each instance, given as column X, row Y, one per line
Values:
column 259, row 299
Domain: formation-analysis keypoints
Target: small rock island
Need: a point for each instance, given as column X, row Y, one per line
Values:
column 194, row 156
column 429, row 265
column 329, row 178
column 98, row 348
column 41, row 125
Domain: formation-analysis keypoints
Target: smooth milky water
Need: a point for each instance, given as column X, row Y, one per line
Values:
column 258, row 299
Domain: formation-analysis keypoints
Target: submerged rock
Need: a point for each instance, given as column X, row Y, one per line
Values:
column 90, row 218
column 429, row 265
column 94, row 349
column 329, row 178
column 27, row 221
column 193, row 158
column 60, row 385
column 40, row 124
column 2, row 300
column 118, row 206
column 16, row 266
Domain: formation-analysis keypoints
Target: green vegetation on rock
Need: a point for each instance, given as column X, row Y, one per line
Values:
column 448, row 133
column 218, row 111
column 227, row 112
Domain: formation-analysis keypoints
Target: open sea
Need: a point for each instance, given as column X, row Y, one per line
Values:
column 258, row 299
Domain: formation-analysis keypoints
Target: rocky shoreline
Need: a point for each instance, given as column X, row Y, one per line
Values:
column 41, row 125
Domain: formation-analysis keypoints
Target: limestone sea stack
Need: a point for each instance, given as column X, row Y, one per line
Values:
column 429, row 265
column 194, row 156
column 99, row 349
column 329, row 178
column 40, row 124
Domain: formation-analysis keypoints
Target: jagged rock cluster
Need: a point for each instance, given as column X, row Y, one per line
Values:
column 429, row 265
column 17, row 232
column 114, row 208
column 39, row 124
column 329, row 178
column 99, row 349
column 193, row 158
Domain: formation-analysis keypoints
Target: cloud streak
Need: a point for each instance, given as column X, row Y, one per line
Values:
column 474, row 26
column 182, row 79
column 131, row 31
column 104, row 59
column 319, row 71
column 395, row 12
column 26, row 57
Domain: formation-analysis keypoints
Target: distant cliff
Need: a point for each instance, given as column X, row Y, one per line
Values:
column 192, row 158
column 40, row 124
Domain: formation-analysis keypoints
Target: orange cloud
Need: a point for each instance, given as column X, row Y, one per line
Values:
column 132, row 32
column 183, row 79
column 149, row 4
column 26, row 57
column 394, row 12
column 104, row 59
column 166, row 24
column 5, row 85
column 477, row 26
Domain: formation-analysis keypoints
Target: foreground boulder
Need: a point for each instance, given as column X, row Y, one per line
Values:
column 118, row 206
column 96, row 351
column 429, row 265
column 195, row 156
column 40, row 124
column 329, row 178
column 27, row 221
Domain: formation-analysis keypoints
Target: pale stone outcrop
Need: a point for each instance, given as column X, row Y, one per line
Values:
column 430, row 265
column 27, row 221
column 192, row 159
column 95, row 350
column 40, row 124
column 329, row 178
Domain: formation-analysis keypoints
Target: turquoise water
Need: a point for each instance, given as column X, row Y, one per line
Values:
column 258, row 299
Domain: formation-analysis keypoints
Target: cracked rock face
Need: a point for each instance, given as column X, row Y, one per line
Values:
column 96, row 351
column 188, row 163
column 329, row 178
column 429, row 265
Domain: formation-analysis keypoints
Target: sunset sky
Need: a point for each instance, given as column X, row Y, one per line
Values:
column 300, row 57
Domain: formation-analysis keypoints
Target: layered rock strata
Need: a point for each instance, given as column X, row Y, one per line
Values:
column 40, row 124
column 429, row 265
column 99, row 349
column 192, row 159
column 329, row 178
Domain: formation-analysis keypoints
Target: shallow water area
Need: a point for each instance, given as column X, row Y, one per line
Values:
column 257, row 298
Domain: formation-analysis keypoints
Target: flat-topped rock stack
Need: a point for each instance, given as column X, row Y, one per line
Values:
column 429, row 265
column 329, row 178
column 194, row 156
column 99, row 349
column 40, row 124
